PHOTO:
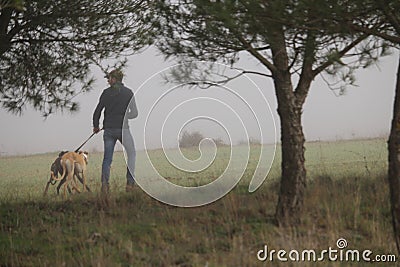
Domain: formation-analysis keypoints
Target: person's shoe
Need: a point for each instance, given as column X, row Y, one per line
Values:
column 105, row 189
column 129, row 188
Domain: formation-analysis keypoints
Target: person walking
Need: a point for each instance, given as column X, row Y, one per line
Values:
column 116, row 101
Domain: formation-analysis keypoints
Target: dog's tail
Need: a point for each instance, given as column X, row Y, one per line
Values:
column 54, row 178
column 52, row 181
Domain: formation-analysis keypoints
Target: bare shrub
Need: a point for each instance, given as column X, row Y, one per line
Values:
column 190, row 139
column 193, row 139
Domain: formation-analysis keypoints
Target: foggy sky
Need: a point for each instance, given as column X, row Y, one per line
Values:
column 364, row 111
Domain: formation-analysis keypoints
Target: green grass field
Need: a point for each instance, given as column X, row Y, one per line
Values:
column 347, row 197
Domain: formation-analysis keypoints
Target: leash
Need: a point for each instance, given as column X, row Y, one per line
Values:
column 76, row 150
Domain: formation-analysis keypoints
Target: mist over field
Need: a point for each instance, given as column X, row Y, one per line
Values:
column 364, row 111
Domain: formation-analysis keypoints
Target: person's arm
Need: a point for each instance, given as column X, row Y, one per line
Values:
column 97, row 114
column 133, row 111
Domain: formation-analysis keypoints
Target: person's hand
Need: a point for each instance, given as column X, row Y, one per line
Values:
column 96, row 129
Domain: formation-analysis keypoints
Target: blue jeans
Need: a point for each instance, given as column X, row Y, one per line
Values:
column 110, row 137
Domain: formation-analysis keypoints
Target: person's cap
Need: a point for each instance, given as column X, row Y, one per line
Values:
column 117, row 74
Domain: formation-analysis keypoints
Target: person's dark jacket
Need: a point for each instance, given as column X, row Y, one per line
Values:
column 116, row 101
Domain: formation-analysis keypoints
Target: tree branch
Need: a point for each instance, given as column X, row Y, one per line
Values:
column 257, row 55
column 391, row 38
column 341, row 53
column 307, row 74
column 394, row 21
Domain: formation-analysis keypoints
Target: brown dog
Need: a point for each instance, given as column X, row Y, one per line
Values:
column 57, row 169
column 73, row 164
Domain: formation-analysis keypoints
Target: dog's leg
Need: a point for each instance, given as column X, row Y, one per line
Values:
column 65, row 190
column 68, row 166
column 84, row 180
column 64, row 180
column 60, row 184
column 76, row 187
column 71, row 178
column 47, row 188
column 81, row 180
column 77, row 176
column 48, row 184
column 73, row 184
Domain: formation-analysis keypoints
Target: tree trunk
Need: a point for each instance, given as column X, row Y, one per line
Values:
column 290, row 103
column 5, row 17
column 394, row 163
column 293, row 181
